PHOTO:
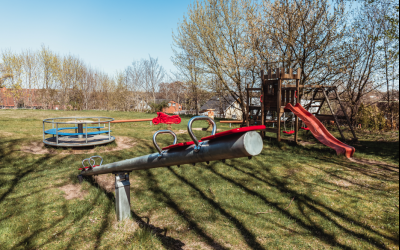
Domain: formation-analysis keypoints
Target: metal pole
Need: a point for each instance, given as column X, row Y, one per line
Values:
column 86, row 131
column 44, row 137
column 109, row 131
column 227, row 147
column 56, row 132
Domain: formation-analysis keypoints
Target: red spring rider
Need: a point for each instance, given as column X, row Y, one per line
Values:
column 166, row 119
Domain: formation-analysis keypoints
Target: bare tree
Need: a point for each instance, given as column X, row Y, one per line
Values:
column 4, row 74
column 212, row 40
column 361, row 60
column 30, row 65
column 389, row 48
column 136, row 84
column 14, row 69
column 49, row 71
column 153, row 75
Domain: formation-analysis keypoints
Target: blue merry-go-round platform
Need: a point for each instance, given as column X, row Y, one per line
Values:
column 77, row 131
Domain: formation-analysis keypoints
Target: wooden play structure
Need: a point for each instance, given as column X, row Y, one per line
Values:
column 281, row 93
column 274, row 95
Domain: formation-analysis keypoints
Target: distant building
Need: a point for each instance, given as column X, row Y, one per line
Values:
column 141, row 105
column 24, row 98
column 226, row 107
column 173, row 107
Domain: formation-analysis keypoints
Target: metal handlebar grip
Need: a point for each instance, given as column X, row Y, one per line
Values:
column 190, row 131
column 163, row 132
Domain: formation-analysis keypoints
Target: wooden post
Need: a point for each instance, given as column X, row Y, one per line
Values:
column 287, row 97
column 333, row 113
column 262, row 103
column 323, row 101
column 279, row 103
column 312, row 99
column 296, row 126
column 345, row 113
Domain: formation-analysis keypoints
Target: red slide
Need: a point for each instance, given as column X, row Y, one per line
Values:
column 320, row 132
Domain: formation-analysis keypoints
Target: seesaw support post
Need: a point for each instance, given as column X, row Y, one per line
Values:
column 122, row 196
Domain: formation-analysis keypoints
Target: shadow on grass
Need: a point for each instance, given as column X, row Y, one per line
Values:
column 374, row 169
column 21, row 173
column 249, row 237
column 303, row 202
column 388, row 150
column 161, row 234
column 378, row 149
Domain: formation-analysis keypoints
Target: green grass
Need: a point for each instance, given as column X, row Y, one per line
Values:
column 337, row 204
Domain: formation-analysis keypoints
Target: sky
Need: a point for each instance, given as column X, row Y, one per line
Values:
column 107, row 35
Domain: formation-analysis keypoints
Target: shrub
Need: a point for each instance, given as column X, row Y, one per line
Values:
column 158, row 107
column 371, row 117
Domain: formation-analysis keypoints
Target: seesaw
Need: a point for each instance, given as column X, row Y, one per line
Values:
column 231, row 144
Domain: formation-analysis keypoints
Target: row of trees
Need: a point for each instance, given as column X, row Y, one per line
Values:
column 228, row 43
column 220, row 47
column 45, row 79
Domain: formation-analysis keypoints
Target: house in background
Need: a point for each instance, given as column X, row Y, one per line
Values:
column 27, row 99
column 141, row 106
column 226, row 107
column 173, row 107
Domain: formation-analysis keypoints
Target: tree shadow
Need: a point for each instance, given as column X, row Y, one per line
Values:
column 160, row 233
column 164, row 197
column 303, row 202
column 249, row 237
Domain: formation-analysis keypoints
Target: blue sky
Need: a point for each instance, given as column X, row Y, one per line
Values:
column 107, row 35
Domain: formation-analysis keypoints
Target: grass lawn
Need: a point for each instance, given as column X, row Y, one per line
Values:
column 289, row 197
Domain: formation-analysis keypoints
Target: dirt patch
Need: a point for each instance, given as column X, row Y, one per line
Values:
column 291, row 172
column 200, row 129
column 73, row 192
column 342, row 183
column 39, row 148
column 306, row 143
column 106, row 182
